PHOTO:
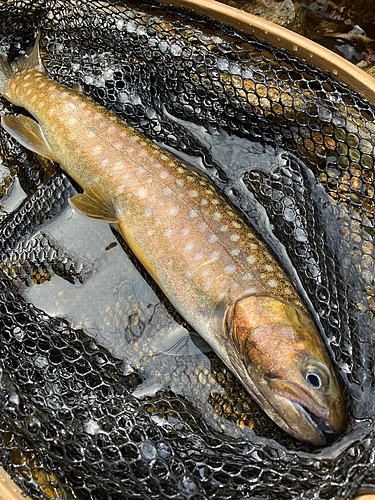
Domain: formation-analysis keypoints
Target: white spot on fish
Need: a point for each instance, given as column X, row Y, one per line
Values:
column 202, row 226
column 150, row 232
column 190, row 178
column 26, row 76
column 193, row 214
column 234, row 237
column 217, row 216
column 272, row 283
column 287, row 290
column 51, row 111
column 250, row 290
column 204, row 201
column 173, row 210
column 141, row 170
column 235, row 224
column 104, row 162
column 179, row 183
column 198, row 256
column 96, row 150
column 207, row 285
column 230, row 269
column 206, row 272
column 163, row 174
column 215, row 201
column 254, row 246
column 164, row 157
column 269, row 268
column 250, row 259
column 119, row 164
column 90, row 134
column 189, row 246
column 213, row 238
column 167, row 191
column 180, row 170
column 71, row 121
column 149, row 211
column 142, row 192
column 169, row 232
column 223, row 228
column 185, row 231
column 193, row 193
column 247, row 276
column 214, row 256
column 235, row 251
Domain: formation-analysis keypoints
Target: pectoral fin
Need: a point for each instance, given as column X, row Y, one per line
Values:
column 28, row 133
column 95, row 204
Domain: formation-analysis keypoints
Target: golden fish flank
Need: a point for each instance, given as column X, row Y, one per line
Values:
column 210, row 265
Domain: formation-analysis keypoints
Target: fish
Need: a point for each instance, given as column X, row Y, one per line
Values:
column 209, row 263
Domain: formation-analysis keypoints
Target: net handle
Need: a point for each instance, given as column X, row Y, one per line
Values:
column 282, row 38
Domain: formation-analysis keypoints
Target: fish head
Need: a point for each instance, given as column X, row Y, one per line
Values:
column 288, row 370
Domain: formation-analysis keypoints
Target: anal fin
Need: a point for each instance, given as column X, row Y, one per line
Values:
column 28, row 133
column 95, row 204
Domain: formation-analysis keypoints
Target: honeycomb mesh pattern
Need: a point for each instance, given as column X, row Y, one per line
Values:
column 69, row 424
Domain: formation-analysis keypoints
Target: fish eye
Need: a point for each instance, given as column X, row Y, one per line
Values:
column 314, row 380
column 316, row 376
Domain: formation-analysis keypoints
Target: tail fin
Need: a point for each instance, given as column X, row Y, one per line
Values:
column 30, row 60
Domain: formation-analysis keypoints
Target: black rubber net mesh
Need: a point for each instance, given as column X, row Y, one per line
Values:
column 169, row 73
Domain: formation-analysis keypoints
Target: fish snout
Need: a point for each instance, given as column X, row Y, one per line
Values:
column 325, row 414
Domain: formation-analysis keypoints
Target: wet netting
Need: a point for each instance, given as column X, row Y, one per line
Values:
column 70, row 425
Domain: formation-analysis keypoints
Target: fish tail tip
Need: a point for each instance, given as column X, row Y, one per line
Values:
column 5, row 74
column 31, row 59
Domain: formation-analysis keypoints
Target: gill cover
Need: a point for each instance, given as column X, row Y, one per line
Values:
column 288, row 364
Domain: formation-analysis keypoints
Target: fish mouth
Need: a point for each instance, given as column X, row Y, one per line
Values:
column 316, row 417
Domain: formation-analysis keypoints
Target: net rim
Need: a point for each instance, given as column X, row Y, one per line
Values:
column 266, row 31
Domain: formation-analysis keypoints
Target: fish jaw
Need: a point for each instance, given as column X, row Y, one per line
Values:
column 278, row 355
column 330, row 422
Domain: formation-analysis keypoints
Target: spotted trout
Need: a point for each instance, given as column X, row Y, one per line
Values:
column 212, row 267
